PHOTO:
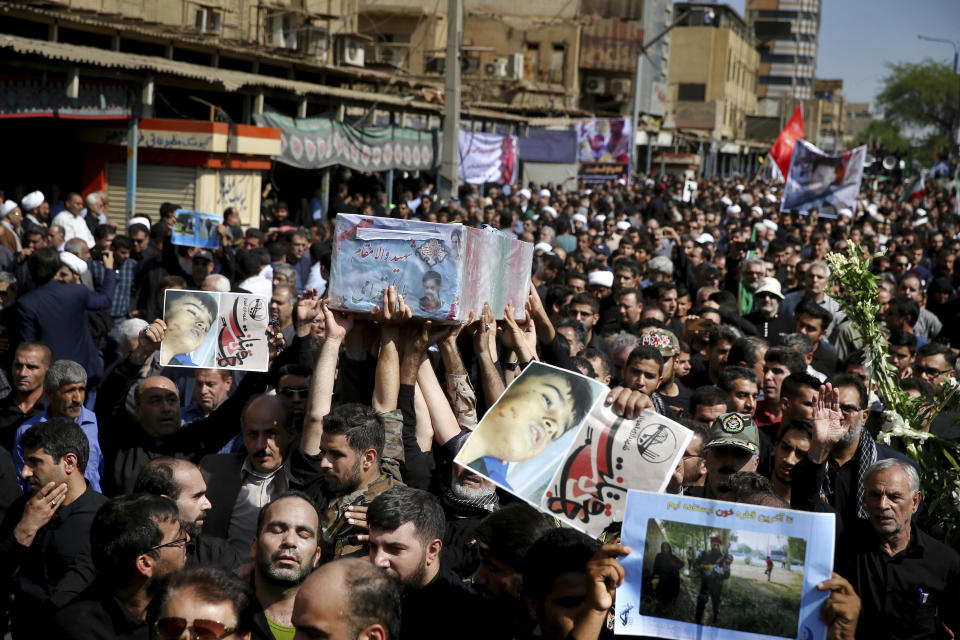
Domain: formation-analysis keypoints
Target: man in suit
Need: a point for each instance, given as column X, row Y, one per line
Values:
column 243, row 483
column 54, row 312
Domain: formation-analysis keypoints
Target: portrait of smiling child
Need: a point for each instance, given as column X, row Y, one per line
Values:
column 539, row 407
column 189, row 316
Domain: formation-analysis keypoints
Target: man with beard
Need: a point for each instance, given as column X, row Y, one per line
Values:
column 182, row 482
column 752, row 271
column 469, row 499
column 713, row 567
column 285, row 552
column 45, row 531
column 732, row 446
column 406, row 526
column 790, row 449
column 839, row 475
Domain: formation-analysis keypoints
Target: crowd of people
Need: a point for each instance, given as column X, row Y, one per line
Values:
column 320, row 499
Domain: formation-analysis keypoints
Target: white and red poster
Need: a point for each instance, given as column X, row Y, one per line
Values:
column 487, row 157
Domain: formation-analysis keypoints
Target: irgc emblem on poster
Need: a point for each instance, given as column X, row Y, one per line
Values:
column 823, row 182
column 551, row 440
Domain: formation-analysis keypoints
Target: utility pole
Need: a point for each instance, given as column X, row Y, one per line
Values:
column 449, row 155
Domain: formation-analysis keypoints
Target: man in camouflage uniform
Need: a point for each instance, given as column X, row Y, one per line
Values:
column 713, row 567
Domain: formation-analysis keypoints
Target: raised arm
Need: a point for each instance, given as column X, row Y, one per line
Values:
column 442, row 417
column 463, row 399
column 390, row 314
column 484, row 344
column 337, row 324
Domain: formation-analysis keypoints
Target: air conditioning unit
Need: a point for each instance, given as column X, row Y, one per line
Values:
column 497, row 68
column 620, row 87
column 389, row 55
column 282, row 30
column 207, row 21
column 434, row 65
column 596, row 85
column 470, row 66
column 314, row 43
column 351, row 52
column 515, row 66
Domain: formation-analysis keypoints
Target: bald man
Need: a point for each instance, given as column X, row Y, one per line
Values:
column 243, row 483
column 154, row 428
column 348, row 599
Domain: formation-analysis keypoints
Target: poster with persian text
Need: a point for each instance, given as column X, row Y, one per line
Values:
column 712, row 570
column 213, row 330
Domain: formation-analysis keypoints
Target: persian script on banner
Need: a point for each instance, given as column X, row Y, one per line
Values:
column 215, row 330
column 704, row 569
column 443, row 271
column 551, row 440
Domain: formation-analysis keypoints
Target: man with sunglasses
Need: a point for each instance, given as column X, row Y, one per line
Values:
column 205, row 603
column 135, row 540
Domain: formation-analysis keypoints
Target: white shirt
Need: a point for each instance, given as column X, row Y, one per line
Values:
column 258, row 284
column 74, row 227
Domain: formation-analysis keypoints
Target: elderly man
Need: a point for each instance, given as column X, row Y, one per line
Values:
column 96, row 212
column 770, row 321
column 65, row 387
column 909, row 582
column 282, row 303
column 815, row 287
column 243, row 483
column 153, row 429
column 36, row 211
column 72, row 220
column 11, row 219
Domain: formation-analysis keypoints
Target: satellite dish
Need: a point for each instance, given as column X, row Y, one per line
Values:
column 889, row 163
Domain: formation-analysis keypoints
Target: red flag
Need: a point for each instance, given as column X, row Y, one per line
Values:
column 782, row 149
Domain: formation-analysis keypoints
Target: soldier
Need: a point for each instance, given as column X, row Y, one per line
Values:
column 714, row 568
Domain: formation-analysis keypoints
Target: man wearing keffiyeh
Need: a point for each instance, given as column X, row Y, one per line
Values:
column 840, row 453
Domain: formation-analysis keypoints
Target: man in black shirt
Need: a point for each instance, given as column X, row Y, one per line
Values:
column 406, row 531
column 182, row 482
column 47, row 530
column 135, row 541
column 909, row 583
column 30, row 364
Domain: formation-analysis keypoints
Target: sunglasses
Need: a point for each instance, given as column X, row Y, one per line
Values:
column 931, row 371
column 289, row 392
column 173, row 628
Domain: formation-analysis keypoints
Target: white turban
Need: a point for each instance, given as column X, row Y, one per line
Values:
column 74, row 263
column 32, row 200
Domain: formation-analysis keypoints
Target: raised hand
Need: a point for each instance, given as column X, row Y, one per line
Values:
column 308, row 307
column 827, row 423
column 336, row 323
column 604, row 575
column 628, row 403
column 39, row 509
column 151, row 336
column 393, row 310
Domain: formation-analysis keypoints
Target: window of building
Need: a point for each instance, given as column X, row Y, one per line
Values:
column 691, row 92
column 557, row 60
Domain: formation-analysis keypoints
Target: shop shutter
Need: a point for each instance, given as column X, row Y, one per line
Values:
column 156, row 184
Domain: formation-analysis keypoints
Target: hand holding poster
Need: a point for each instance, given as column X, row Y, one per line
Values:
column 550, row 440
column 708, row 569
column 823, row 182
column 215, row 330
column 193, row 229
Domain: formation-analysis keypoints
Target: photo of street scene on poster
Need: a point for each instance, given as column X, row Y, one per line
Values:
column 730, row 579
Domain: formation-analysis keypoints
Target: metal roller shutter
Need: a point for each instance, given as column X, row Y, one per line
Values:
column 156, row 184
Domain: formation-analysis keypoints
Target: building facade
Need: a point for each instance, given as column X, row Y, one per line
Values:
column 786, row 34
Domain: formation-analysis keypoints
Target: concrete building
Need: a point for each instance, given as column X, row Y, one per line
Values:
column 786, row 34
column 712, row 87
column 832, row 106
column 859, row 115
